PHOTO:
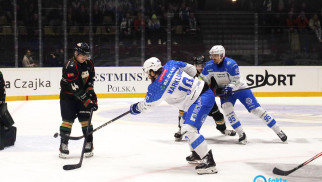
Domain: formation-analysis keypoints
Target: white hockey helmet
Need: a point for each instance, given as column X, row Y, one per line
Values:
column 153, row 64
column 218, row 49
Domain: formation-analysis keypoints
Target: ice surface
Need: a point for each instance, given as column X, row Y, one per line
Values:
column 142, row 147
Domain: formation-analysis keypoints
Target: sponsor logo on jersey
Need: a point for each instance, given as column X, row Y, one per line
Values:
column 196, row 110
column 70, row 75
column 162, row 74
column 261, row 178
column 173, row 69
column 221, row 75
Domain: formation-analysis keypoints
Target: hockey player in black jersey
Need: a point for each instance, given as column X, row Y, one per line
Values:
column 215, row 113
column 77, row 96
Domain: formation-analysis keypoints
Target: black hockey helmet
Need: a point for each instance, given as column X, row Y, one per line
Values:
column 199, row 60
column 82, row 48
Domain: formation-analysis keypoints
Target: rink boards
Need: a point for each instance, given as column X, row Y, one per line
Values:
column 131, row 82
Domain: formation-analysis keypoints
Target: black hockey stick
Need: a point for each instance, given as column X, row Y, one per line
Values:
column 78, row 165
column 256, row 86
column 80, row 137
column 285, row 173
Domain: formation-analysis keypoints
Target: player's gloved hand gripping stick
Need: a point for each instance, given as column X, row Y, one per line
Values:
column 256, row 86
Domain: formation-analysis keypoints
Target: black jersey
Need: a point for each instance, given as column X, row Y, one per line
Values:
column 2, row 88
column 78, row 78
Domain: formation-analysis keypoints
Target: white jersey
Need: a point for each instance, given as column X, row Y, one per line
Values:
column 176, row 85
column 225, row 73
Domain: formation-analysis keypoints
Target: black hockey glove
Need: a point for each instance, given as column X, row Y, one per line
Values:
column 90, row 104
column 92, row 95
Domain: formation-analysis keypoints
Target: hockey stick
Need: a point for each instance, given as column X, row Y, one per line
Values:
column 256, row 86
column 80, row 137
column 285, row 173
column 78, row 165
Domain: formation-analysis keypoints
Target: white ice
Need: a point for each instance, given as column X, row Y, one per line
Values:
column 142, row 147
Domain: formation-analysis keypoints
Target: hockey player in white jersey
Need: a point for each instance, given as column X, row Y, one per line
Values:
column 175, row 83
column 225, row 71
column 199, row 62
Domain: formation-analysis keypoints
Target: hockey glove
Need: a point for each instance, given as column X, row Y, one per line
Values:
column 134, row 109
column 90, row 104
column 92, row 95
column 228, row 90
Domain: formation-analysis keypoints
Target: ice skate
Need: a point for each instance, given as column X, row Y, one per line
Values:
column 228, row 132
column 208, row 165
column 88, row 149
column 193, row 158
column 243, row 139
column 64, row 152
column 282, row 136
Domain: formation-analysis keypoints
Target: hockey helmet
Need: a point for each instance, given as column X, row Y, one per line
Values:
column 82, row 48
column 218, row 49
column 153, row 64
column 199, row 60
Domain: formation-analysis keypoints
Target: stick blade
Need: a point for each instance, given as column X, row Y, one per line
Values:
column 71, row 166
column 280, row 172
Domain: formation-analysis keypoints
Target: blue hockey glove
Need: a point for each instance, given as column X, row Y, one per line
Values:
column 134, row 109
column 228, row 90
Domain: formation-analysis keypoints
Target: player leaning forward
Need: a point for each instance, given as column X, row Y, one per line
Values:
column 77, row 96
column 175, row 83
column 225, row 72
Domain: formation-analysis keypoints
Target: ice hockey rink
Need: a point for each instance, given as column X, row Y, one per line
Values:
column 142, row 147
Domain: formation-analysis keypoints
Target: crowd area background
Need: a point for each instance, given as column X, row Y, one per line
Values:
column 35, row 33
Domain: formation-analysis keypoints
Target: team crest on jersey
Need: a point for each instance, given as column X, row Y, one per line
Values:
column 162, row 87
column 85, row 74
column 249, row 101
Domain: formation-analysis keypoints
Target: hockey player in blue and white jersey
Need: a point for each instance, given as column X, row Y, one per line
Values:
column 225, row 71
column 175, row 83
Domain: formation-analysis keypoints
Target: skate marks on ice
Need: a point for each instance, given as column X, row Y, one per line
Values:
column 310, row 173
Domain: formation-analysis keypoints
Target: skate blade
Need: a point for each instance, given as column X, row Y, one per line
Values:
column 209, row 170
column 231, row 133
column 63, row 156
column 195, row 162
column 244, row 142
column 88, row 154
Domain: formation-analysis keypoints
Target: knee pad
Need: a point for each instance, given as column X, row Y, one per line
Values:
column 189, row 131
column 196, row 141
column 227, row 108
column 259, row 112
